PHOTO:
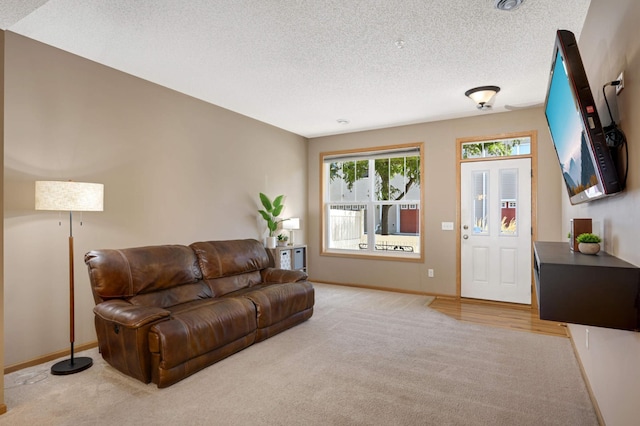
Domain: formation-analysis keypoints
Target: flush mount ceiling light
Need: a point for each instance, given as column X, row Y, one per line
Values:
column 482, row 96
column 342, row 121
column 508, row 5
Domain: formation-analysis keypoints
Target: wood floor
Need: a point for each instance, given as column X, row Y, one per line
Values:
column 514, row 317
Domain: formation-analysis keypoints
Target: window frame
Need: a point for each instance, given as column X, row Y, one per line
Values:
column 485, row 151
column 325, row 204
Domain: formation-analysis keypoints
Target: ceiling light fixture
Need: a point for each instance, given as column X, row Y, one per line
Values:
column 342, row 121
column 508, row 5
column 483, row 96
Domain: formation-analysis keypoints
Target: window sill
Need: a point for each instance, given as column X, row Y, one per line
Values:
column 380, row 255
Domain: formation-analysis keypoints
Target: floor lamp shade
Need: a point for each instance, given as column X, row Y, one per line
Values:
column 69, row 196
column 79, row 197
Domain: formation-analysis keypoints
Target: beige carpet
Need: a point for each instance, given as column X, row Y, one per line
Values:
column 365, row 358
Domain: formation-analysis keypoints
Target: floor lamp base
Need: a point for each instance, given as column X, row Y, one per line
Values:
column 67, row 367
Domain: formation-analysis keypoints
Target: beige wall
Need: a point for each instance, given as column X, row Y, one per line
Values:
column 175, row 170
column 440, row 189
column 2, row 404
column 609, row 43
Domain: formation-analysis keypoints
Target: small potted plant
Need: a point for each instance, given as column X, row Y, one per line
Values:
column 282, row 240
column 588, row 243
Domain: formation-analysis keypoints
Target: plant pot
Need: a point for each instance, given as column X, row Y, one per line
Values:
column 271, row 242
column 589, row 248
column 282, row 243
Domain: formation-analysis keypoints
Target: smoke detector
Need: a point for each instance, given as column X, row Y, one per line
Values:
column 508, row 5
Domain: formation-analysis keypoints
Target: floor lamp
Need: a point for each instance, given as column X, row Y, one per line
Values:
column 79, row 197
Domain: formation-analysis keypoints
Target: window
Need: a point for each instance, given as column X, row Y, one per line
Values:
column 372, row 202
column 496, row 148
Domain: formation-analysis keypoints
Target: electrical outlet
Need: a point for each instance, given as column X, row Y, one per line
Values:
column 620, row 86
column 586, row 338
column 430, row 273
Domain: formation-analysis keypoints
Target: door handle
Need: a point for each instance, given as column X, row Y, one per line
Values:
column 465, row 236
column 465, row 227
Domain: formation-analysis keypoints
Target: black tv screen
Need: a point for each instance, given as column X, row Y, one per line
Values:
column 587, row 167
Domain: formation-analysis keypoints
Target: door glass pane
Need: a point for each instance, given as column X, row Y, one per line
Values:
column 480, row 202
column 508, row 201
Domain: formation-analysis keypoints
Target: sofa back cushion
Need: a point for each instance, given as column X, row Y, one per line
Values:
column 173, row 296
column 128, row 272
column 230, row 265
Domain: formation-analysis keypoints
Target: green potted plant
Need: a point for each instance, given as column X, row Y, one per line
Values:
column 588, row 243
column 270, row 213
column 282, row 239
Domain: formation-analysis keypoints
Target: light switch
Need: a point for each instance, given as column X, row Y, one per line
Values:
column 447, row 226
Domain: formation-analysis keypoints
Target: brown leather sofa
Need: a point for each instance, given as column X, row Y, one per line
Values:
column 165, row 312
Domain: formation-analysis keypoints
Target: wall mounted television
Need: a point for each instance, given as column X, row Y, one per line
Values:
column 588, row 169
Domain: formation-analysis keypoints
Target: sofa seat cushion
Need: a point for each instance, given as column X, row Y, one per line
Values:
column 194, row 330
column 277, row 302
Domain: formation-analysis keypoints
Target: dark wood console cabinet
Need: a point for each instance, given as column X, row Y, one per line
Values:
column 599, row 290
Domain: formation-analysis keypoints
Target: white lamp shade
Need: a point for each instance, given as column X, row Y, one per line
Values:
column 69, row 196
column 291, row 223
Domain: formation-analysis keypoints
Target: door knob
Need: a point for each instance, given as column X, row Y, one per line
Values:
column 465, row 236
column 465, row 227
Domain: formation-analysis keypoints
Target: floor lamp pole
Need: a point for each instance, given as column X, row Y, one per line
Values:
column 72, row 365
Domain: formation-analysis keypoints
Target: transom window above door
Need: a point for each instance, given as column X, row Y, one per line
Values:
column 510, row 147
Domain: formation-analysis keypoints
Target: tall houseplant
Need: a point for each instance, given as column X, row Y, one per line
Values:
column 270, row 213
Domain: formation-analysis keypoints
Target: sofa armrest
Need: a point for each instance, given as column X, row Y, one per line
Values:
column 128, row 315
column 123, row 335
column 274, row 275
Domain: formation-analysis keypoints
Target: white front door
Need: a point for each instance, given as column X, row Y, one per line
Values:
column 495, row 220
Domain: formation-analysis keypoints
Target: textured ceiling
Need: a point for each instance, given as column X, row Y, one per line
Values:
column 302, row 65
